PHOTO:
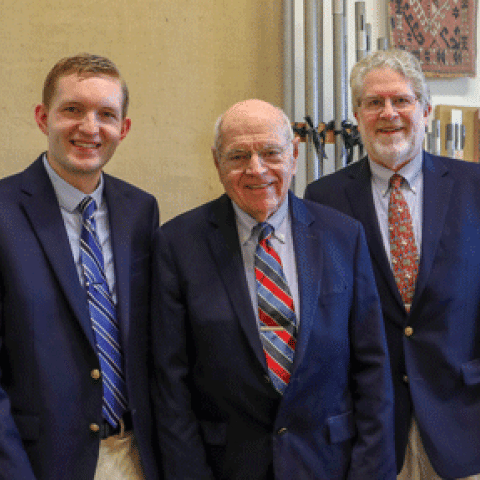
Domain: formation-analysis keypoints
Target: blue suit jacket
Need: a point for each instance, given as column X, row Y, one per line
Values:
column 47, row 349
column 436, row 371
column 217, row 414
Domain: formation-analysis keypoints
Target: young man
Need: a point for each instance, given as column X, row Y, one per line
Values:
column 74, row 280
column 270, row 359
column 421, row 215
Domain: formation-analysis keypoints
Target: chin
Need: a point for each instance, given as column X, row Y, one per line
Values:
column 392, row 154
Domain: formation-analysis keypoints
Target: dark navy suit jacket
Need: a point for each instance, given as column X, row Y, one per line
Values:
column 217, row 414
column 436, row 371
column 48, row 398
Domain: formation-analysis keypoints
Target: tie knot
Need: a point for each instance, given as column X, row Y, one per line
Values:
column 87, row 207
column 396, row 180
column 266, row 231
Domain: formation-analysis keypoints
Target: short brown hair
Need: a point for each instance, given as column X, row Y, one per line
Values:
column 83, row 64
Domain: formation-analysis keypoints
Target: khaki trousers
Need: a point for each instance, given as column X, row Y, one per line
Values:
column 417, row 466
column 119, row 459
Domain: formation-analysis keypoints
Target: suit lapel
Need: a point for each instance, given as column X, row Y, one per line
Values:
column 40, row 205
column 308, row 258
column 359, row 194
column 437, row 190
column 225, row 247
column 119, row 216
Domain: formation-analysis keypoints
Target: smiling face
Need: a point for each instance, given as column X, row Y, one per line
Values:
column 84, row 126
column 257, row 183
column 391, row 137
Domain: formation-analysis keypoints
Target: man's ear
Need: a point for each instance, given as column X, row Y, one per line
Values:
column 426, row 113
column 126, row 124
column 215, row 158
column 41, row 117
column 295, row 142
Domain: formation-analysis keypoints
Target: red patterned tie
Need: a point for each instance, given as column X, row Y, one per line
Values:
column 402, row 242
column 276, row 311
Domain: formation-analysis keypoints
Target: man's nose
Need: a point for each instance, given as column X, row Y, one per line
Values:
column 255, row 164
column 89, row 123
column 388, row 109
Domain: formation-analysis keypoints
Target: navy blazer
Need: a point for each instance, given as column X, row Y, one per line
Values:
column 217, row 413
column 48, row 398
column 436, row 371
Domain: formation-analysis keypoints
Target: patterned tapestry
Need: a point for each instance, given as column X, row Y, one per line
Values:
column 441, row 33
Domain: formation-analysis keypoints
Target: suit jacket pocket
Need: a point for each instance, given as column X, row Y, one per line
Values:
column 471, row 372
column 214, row 433
column 341, row 427
column 28, row 426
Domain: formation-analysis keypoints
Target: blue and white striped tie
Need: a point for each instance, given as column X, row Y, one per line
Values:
column 103, row 317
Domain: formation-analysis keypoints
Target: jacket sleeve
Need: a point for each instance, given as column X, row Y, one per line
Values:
column 182, row 449
column 14, row 462
column 373, row 454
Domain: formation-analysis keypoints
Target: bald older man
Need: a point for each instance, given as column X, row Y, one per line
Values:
column 269, row 348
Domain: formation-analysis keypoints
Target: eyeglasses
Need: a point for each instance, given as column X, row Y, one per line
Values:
column 269, row 155
column 400, row 103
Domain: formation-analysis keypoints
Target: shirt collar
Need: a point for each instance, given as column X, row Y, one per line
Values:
column 410, row 172
column 68, row 196
column 246, row 223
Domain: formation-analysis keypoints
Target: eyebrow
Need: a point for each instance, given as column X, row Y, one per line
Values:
column 412, row 95
column 72, row 102
column 265, row 147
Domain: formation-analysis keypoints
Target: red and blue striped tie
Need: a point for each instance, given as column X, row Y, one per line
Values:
column 103, row 317
column 278, row 329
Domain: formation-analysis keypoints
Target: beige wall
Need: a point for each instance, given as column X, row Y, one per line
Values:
column 184, row 61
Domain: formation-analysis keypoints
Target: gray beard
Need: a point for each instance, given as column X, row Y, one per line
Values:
column 392, row 155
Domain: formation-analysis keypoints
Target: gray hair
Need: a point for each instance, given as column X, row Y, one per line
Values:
column 217, row 132
column 400, row 61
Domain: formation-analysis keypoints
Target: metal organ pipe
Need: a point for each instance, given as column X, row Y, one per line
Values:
column 339, row 77
column 313, row 106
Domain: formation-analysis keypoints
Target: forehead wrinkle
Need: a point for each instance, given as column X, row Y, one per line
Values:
column 253, row 133
column 251, row 118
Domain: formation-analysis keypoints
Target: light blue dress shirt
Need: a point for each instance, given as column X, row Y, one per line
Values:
column 68, row 198
column 282, row 242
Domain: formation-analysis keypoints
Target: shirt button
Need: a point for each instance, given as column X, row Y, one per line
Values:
column 282, row 431
column 408, row 331
column 94, row 428
column 267, row 379
column 95, row 374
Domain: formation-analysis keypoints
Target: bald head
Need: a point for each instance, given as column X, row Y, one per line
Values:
column 251, row 109
column 255, row 155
